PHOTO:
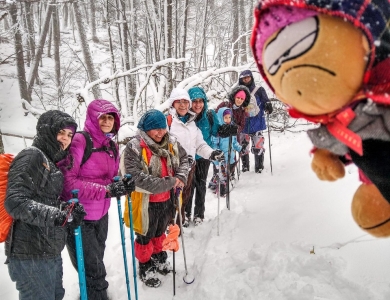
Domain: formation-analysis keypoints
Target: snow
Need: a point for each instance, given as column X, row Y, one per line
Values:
column 263, row 250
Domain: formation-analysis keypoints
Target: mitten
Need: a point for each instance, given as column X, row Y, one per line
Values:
column 327, row 165
column 116, row 189
column 268, row 107
column 217, row 155
column 78, row 215
column 371, row 211
column 227, row 130
column 171, row 242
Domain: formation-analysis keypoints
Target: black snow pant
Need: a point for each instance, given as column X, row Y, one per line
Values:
column 199, row 183
column 94, row 235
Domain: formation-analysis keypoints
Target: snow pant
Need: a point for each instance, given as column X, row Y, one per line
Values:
column 257, row 149
column 186, row 194
column 94, row 236
column 37, row 278
column 160, row 215
column 199, row 184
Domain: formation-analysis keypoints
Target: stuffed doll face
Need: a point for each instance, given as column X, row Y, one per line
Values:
column 316, row 65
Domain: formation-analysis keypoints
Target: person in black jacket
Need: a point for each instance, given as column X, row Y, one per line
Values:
column 38, row 234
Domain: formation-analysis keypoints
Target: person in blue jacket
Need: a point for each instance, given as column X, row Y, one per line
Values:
column 207, row 121
column 225, row 117
column 254, row 125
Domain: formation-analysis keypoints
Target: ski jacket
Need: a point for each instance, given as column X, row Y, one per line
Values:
column 202, row 120
column 136, row 160
column 238, row 112
column 33, row 190
column 97, row 172
column 256, row 123
column 223, row 143
column 188, row 135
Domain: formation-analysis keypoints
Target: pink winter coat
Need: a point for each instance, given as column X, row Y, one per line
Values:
column 93, row 176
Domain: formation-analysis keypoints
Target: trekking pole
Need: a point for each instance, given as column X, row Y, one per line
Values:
column 118, row 200
column 219, row 193
column 269, row 143
column 187, row 278
column 228, row 174
column 130, row 206
column 79, row 252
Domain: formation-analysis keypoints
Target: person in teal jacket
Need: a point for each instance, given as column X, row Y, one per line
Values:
column 207, row 122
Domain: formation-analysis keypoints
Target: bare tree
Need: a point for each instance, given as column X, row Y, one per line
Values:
column 56, row 46
column 92, row 20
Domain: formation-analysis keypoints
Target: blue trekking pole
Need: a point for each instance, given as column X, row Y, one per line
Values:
column 130, row 205
column 118, row 199
column 79, row 253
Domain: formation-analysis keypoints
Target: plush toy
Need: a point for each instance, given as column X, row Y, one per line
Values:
column 329, row 60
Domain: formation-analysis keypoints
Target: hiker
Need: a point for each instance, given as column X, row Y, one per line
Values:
column 254, row 125
column 94, row 161
column 207, row 121
column 158, row 164
column 37, row 236
column 181, row 121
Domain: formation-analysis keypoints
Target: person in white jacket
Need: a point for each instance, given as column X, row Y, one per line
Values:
column 181, row 123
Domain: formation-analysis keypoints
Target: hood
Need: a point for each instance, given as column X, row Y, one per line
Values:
column 246, row 73
column 196, row 93
column 220, row 114
column 95, row 109
column 48, row 126
column 370, row 17
column 178, row 94
column 237, row 89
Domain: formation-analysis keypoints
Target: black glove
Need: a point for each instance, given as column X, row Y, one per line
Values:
column 217, row 155
column 227, row 130
column 243, row 149
column 60, row 219
column 78, row 215
column 116, row 189
column 129, row 185
column 268, row 107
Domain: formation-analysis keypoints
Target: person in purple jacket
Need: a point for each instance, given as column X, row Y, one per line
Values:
column 93, row 179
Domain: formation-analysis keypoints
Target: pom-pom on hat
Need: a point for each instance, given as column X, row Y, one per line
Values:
column 240, row 94
column 152, row 119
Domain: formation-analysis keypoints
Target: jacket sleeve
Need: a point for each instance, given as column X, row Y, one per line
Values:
column 261, row 97
column 72, row 179
column 132, row 164
column 24, row 177
column 202, row 149
column 236, row 146
column 214, row 142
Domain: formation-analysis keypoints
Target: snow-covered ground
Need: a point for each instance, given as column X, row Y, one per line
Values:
column 263, row 250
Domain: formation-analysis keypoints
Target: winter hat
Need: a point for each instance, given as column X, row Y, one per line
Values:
column 227, row 112
column 246, row 73
column 240, row 94
column 278, row 17
column 152, row 119
column 197, row 93
column 71, row 127
column 178, row 94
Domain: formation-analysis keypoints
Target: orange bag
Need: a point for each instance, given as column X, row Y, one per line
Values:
column 5, row 218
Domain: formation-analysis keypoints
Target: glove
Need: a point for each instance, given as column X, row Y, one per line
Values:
column 227, row 130
column 268, row 107
column 60, row 219
column 217, row 155
column 129, row 185
column 78, row 215
column 243, row 149
column 116, row 189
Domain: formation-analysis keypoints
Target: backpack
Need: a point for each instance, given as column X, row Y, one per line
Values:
column 5, row 163
column 252, row 109
column 89, row 149
column 208, row 113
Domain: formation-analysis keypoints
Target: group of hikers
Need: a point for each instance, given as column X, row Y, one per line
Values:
column 168, row 152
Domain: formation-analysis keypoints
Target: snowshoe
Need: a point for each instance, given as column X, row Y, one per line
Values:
column 198, row 221
column 187, row 220
column 162, row 264
column 147, row 274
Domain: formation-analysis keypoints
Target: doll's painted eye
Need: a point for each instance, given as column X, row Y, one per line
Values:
column 292, row 41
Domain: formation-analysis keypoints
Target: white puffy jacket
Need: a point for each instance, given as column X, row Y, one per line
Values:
column 189, row 135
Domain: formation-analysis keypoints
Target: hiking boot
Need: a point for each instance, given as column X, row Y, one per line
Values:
column 162, row 264
column 186, row 221
column 198, row 221
column 245, row 169
column 147, row 274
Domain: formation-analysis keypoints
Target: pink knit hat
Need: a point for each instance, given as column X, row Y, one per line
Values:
column 241, row 94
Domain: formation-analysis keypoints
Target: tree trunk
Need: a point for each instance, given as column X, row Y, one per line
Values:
column 49, row 42
column 235, row 37
column 56, row 46
column 65, row 17
column 30, row 28
column 203, row 42
column 24, row 94
column 243, row 28
column 92, row 74
column 93, row 21
column 168, row 46
column 185, row 25
column 38, row 56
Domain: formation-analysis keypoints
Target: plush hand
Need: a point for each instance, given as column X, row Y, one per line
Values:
column 171, row 241
column 116, row 189
column 327, row 165
column 227, row 130
column 371, row 211
column 217, row 155
column 78, row 215
column 268, row 107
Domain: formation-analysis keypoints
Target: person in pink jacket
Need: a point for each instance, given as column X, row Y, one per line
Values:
column 93, row 178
